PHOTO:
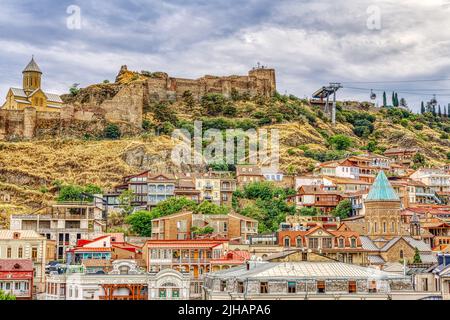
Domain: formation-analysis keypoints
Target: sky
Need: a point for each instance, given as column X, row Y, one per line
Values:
column 310, row 43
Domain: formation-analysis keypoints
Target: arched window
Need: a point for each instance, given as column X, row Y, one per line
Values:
column 287, row 242
column 8, row 253
column 375, row 227
column 384, row 227
column 392, row 226
column 401, row 254
column 299, row 242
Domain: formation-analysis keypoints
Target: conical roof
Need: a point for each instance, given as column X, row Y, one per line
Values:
column 382, row 190
column 32, row 67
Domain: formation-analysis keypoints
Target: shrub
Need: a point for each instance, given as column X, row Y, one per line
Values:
column 141, row 223
column 404, row 123
column 112, row 131
column 340, row 142
column 418, row 126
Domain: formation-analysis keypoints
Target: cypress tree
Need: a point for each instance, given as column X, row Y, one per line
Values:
column 439, row 112
column 384, row 99
column 396, row 100
column 393, row 99
column 434, row 110
column 422, row 108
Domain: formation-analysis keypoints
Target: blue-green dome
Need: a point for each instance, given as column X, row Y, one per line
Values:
column 382, row 190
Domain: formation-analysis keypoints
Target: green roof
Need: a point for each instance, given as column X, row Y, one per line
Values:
column 382, row 190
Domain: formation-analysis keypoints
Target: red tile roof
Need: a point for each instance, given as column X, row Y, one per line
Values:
column 16, row 265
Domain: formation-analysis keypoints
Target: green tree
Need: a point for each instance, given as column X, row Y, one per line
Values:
column 439, row 111
column 6, row 296
column 125, row 202
column 340, row 142
column 71, row 192
column 419, row 160
column 343, row 209
column 207, row 207
column 309, row 211
column 188, row 99
column 74, row 89
column 417, row 258
column 384, row 99
column 173, row 205
column 422, row 108
column 112, row 131
column 141, row 223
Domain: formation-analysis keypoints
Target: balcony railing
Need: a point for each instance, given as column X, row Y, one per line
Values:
column 249, row 230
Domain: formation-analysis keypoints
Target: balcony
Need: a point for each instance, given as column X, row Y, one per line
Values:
column 357, row 206
column 249, row 230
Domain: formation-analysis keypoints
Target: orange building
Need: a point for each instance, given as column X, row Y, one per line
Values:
column 181, row 226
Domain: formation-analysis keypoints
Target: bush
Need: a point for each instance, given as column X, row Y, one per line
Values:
column 343, row 209
column 418, row 126
column 141, row 223
column 213, row 103
column 340, row 142
column 112, row 131
column 404, row 123
column 75, row 193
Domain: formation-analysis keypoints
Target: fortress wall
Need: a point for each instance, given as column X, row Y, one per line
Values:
column 126, row 106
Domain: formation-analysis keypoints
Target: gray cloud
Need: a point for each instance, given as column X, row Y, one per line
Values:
column 310, row 43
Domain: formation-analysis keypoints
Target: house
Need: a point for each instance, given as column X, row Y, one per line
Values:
column 127, row 281
column 16, row 278
column 65, row 223
column 180, row 226
column 99, row 253
column 307, row 280
column 402, row 156
column 31, row 93
column 195, row 257
column 246, row 174
column 341, row 244
column 26, row 245
column 437, row 179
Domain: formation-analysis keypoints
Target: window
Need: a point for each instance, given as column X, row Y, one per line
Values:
column 327, row 243
column 20, row 253
column 384, row 227
column 373, row 286
column 8, row 253
column 287, row 242
column 353, row 242
column 263, row 288
column 392, row 226
column 341, row 243
column 313, row 243
column 375, row 227
column 320, row 286
column 240, row 287
column 223, row 286
column 292, row 287
column 401, row 254
column 225, row 227
column 349, row 258
column 34, row 254
column 299, row 242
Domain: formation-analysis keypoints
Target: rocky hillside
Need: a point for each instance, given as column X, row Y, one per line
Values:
column 29, row 170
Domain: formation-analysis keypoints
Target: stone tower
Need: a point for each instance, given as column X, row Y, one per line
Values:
column 414, row 226
column 31, row 77
column 383, row 208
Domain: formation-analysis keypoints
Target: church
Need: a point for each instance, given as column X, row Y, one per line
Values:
column 31, row 94
column 385, row 236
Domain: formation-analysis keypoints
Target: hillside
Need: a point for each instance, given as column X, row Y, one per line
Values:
column 29, row 170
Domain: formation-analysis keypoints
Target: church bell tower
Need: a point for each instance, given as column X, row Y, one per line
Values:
column 31, row 77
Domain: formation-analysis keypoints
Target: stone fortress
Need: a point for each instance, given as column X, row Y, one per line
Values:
column 123, row 102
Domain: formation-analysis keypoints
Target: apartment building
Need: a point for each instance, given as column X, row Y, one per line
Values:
column 28, row 245
column 180, row 226
column 65, row 223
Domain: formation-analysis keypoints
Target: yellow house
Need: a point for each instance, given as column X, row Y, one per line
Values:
column 31, row 95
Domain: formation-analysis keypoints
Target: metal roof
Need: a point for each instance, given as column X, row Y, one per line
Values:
column 19, row 92
column 287, row 270
column 368, row 244
column 24, row 234
column 32, row 67
column 53, row 97
column 382, row 190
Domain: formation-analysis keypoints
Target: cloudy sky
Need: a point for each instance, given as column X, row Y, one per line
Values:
column 309, row 42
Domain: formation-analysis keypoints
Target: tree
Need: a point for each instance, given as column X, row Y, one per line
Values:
column 207, row 207
column 125, row 202
column 384, row 99
column 439, row 111
column 343, row 209
column 112, row 131
column 188, row 99
column 417, row 258
column 141, row 223
column 173, row 205
column 6, row 296
column 309, row 211
column 340, row 142
column 393, row 99
column 396, row 100
column 74, row 90
column 71, row 192
column 419, row 160
column 422, row 108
